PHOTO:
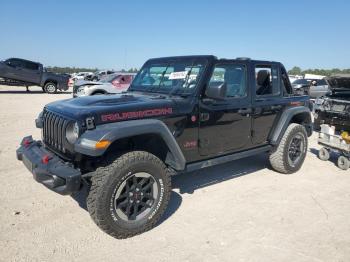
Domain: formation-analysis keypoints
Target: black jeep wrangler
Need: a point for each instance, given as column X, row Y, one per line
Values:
column 180, row 114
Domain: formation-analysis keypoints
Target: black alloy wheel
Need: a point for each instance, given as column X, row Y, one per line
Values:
column 136, row 196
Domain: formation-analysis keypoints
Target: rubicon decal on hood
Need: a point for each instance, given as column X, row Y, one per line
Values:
column 136, row 114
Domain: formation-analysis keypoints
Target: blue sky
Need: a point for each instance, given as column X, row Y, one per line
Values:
column 118, row 34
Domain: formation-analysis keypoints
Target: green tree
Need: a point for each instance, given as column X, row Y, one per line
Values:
column 295, row 71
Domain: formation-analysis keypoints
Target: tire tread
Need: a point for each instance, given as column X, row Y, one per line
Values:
column 276, row 158
column 99, row 179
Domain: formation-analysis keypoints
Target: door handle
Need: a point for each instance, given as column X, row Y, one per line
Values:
column 276, row 107
column 245, row 111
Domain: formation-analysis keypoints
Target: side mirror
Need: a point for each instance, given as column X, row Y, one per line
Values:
column 216, row 91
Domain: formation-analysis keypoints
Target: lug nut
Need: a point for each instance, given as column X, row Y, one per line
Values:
column 137, row 189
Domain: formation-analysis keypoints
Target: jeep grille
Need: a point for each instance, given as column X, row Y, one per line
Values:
column 54, row 131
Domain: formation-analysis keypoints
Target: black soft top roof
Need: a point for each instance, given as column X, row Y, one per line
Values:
column 209, row 58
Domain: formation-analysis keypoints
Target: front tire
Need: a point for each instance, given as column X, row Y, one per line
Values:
column 50, row 88
column 290, row 154
column 129, row 195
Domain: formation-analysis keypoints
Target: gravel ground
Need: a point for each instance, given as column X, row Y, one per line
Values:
column 241, row 211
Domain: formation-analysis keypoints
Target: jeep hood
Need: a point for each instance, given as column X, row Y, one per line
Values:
column 114, row 108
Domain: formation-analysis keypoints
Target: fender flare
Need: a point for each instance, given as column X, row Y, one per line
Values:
column 119, row 130
column 284, row 120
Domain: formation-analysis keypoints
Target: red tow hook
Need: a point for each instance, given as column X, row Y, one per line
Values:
column 27, row 141
column 45, row 159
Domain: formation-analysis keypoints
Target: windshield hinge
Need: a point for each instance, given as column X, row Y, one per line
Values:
column 90, row 123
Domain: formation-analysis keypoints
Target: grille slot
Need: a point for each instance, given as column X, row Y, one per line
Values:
column 54, row 130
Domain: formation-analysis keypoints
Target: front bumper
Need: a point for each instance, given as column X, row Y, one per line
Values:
column 47, row 168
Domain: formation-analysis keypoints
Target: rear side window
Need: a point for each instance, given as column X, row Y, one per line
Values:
column 266, row 79
column 31, row 65
column 234, row 76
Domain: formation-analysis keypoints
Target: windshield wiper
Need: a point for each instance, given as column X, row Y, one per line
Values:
column 163, row 74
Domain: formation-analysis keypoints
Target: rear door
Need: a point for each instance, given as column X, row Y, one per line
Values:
column 31, row 72
column 225, row 125
column 266, row 100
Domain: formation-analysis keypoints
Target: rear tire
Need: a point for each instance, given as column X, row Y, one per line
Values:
column 50, row 88
column 290, row 154
column 343, row 162
column 323, row 154
column 129, row 195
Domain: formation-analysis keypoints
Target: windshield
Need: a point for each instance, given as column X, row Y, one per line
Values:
column 171, row 77
column 300, row 82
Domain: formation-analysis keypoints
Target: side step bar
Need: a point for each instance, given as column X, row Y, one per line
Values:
column 227, row 158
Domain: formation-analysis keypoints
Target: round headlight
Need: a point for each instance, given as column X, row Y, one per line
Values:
column 72, row 132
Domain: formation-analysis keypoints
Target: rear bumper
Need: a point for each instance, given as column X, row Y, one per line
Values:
column 57, row 175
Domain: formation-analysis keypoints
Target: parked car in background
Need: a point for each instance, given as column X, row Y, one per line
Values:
column 111, row 84
column 292, row 78
column 334, row 108
column 81, row 75
column 29, row 73
column 70, row 82
column 98, row 75
column 313, row 87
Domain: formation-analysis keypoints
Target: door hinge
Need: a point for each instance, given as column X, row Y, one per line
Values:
column 251, row 133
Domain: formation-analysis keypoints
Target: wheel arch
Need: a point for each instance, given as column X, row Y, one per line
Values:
column 98, row 91
column 50, row 81
column 298, row 115
column 149, row 135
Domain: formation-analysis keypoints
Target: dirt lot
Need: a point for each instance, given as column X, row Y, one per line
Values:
column 240, row 211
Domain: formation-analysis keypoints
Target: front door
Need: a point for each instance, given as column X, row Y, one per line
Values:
column 225, row 125
column 12, row 67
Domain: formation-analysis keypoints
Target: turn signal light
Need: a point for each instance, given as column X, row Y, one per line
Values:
column 103, row 144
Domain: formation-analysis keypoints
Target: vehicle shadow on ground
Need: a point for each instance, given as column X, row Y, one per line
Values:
column 30, row 92
column 188, row 183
